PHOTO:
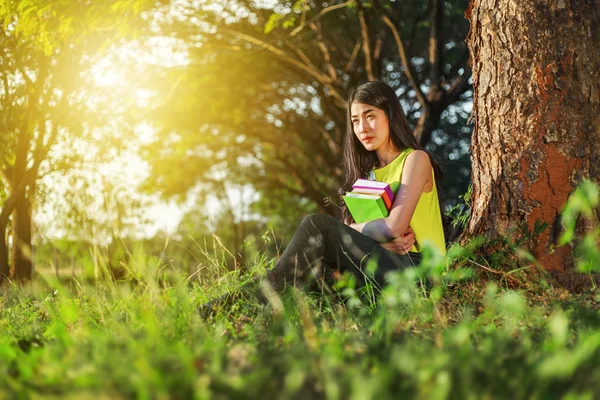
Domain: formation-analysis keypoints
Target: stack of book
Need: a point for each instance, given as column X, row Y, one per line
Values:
column 370, row 200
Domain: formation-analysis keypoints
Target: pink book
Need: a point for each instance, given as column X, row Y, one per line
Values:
column 366, row 184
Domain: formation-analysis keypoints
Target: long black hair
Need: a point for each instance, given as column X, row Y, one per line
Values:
column 357, row 161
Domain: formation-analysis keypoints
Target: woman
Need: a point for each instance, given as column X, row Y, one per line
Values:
column 378, row 145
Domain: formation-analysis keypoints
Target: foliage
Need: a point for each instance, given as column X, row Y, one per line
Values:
column 92, row 205
column 584, row 207
column 442, row 330
column 461, row 211
column 48, row 116
column 50, row 24
column 271, row 113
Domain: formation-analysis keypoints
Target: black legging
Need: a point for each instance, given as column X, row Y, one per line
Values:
column 321, row 245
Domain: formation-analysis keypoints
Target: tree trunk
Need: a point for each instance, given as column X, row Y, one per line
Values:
column 7, row 209
column 4, row 265
column 431, row 115
column 21, row 267
column 536, row 109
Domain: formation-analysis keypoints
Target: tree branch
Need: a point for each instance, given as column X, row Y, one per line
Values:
column 6, row 91
column 364, row 31
column 25, row 132
column 324, row 79
column 377, row 51
column 278, row 179
column 352, row 58
column 300, row 54
column 337, row 115
column 302, row 20
column 459, row 86
column 408, row 70
column 26, row 77
column 166, row 99
column 436, row 13
column 326, row 56
column 7, row 174
column 42, row 150
column 309, row 189
column 320, row 14
column 461, row 63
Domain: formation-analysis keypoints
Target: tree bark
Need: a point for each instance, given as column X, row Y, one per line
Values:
column 19, row 206
column 8, row 207
column 536, row 109
column 21, row 266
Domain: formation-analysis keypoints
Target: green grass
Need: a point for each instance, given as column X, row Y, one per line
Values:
column 143, row 338
column 470, row 326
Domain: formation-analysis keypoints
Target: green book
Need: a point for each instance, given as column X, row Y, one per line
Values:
column 365, row 207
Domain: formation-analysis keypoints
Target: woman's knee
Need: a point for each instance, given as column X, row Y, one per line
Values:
column 318, row 220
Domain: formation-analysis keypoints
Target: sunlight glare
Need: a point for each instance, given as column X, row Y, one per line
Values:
column 105, row 75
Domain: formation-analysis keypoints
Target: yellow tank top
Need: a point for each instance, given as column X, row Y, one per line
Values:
column 426, row 222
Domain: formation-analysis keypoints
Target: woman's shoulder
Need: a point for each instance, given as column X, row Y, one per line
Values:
column 418, row 157
column 419, row 169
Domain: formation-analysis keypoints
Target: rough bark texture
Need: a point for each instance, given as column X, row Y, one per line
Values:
column 536, row 110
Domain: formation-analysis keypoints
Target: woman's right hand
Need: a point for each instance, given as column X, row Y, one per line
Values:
column 401, row 244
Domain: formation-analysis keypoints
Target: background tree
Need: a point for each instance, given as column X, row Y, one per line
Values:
column 45, row 46
column 537, row 128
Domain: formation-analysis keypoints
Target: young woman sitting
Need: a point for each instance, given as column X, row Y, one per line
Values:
column 378, row 146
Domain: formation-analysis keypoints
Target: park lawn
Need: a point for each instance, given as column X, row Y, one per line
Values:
column 434, row 332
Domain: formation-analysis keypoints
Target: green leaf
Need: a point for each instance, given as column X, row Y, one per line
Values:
column 273, row 22
column 288, row 23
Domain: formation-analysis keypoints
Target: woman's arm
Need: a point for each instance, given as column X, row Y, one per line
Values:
column 416, row 178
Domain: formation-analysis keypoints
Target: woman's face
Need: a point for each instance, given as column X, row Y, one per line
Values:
column 370, row 125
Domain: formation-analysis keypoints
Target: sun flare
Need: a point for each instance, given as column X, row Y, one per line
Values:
column 104, row 74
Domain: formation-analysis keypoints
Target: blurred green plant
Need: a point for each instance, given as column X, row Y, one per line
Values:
column 459, row 213
column 581, row 215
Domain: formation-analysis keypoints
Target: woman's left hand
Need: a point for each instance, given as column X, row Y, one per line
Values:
column 402, row 244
